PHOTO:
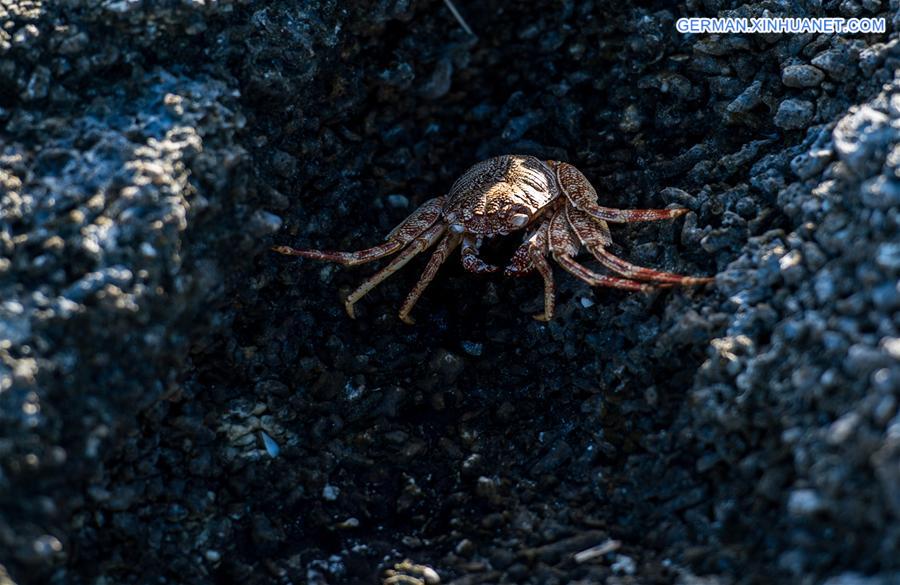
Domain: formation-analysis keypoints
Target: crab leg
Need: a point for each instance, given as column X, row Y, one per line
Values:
column 420, row 244
column 408, row 230
column 594, row 279
column 564, row 246
column 531, row 255
column 629, row 215
column 470, row 260
column 539, row 260
column 345, row 258
column 583, row 196
column 445, row 247
column 629, row 270
column 521, row 264
column 594, row 236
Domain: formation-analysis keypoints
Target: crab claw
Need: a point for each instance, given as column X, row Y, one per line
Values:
column 475, row 264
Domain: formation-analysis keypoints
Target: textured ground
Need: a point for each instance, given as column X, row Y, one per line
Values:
column 179, row 405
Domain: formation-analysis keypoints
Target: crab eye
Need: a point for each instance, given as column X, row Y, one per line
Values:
column 518, row 219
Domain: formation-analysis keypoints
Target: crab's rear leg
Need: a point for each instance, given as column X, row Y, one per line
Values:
column 411, row 228
column 594, row 238
column 629, row 270
column 532, row 255
column 583, row 196
column 564, row 246
column 418, row 245
column 444, row 248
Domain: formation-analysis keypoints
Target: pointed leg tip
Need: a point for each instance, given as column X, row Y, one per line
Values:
column 407, row 319
column 543, row 318
column 351, row 312
column 680, row 212
column 288, row 251
column 699, row 280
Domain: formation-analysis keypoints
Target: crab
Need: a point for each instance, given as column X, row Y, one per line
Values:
column 552, row 202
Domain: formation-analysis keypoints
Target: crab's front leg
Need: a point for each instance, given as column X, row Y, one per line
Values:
column 471, row 246
column 532, row 255
column 583, row 196
column 409, row 229
column 444, row 248
column 417, row 246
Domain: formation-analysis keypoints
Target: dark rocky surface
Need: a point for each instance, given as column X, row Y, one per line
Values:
column 179, row 405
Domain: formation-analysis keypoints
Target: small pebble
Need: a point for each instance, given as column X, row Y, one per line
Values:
column 793, row 114
column 624, row 565
column 804, row 502
column 330, row 493
column 271, row 446
column 398, row 201
column 802, row 76
column 472, row 348
column 264, row 223
column 46, row 545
